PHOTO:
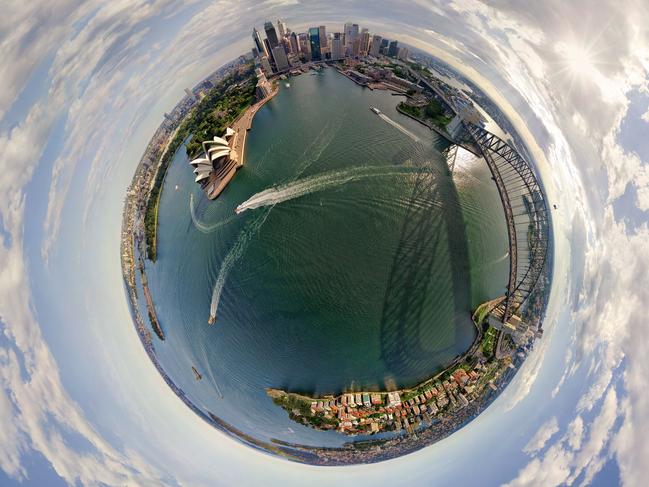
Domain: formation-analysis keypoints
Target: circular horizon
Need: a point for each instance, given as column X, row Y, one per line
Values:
column 85, row 87
column 362, row 282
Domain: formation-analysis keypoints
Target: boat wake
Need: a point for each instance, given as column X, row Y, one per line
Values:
column 200, row 226
column 311, row 154
column 399, row 127
column 231, row 258
column 320, row 182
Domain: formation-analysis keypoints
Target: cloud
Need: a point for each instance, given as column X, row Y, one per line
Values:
column 541, row 437
column 645, row 116
column 567, row 459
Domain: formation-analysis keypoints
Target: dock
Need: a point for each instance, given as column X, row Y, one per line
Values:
column 220, row 179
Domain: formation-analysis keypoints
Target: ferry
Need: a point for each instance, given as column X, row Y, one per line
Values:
column 197, row 374
column 375, row 110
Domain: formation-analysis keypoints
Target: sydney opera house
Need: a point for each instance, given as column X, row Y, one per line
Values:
column 216, row 162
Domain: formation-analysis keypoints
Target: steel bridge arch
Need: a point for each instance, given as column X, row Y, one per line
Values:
column 526, row 215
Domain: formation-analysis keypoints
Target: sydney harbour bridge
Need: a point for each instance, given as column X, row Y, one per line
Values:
column 524, row 203
column 526, row 215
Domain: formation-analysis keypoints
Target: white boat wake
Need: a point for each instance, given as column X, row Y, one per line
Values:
column 311, row 154
column 399, row 127
column 321, row 182
column 231, row 258
column 200, row 226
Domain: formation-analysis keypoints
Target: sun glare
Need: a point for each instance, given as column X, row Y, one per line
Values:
column 578, row 59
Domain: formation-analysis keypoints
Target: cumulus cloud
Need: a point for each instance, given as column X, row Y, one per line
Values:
column 567, row 459
column 541, row 437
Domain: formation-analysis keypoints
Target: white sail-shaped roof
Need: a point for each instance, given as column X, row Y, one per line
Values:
column 219, row 140
column 228, row 133
column 218, row 152
column 200, row 160
column 201, row 177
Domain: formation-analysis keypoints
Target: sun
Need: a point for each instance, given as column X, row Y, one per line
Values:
column 577, row 59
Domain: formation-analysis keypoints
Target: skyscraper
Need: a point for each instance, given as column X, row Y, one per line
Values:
column 365, row 42
column 351, row 33
column 375, row 46
column 393, row 50
column 337, row 47
column 314, row 40
column 281, row 27
column 271, row 34
column 269, row 51
column 356, row 47
column 295, row 47
column 305, row 47
column 265, row 64
column 323, row 36
column 384, row 47
column 258, row 42
column 281, row 61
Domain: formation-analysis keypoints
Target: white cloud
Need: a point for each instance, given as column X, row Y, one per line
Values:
column 645, row 116
column 541, row 437
column 567, row 459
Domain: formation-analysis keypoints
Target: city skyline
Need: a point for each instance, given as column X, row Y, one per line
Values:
column 322, row 45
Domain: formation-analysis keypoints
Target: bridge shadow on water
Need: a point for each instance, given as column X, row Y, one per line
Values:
column 433, row 221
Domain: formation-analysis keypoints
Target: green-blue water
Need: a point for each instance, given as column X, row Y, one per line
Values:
column 358, row 271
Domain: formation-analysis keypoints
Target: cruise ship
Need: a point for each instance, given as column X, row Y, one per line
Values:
column 375, row 110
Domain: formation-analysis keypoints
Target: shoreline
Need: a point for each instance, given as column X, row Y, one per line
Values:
column 241, row 125
column 437, row 400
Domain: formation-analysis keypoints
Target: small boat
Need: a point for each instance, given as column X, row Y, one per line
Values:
column 211, row 320
column 375, row 110
column 288, row 85
column 196, row 373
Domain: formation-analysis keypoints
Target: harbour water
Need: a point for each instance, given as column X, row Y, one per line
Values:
column 353, row 263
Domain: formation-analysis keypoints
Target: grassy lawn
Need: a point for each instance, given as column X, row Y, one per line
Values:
column 489, row 342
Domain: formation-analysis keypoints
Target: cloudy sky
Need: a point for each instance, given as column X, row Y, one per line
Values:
column 83, row 85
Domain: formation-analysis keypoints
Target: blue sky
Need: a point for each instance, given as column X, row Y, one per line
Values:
column 83, row 87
